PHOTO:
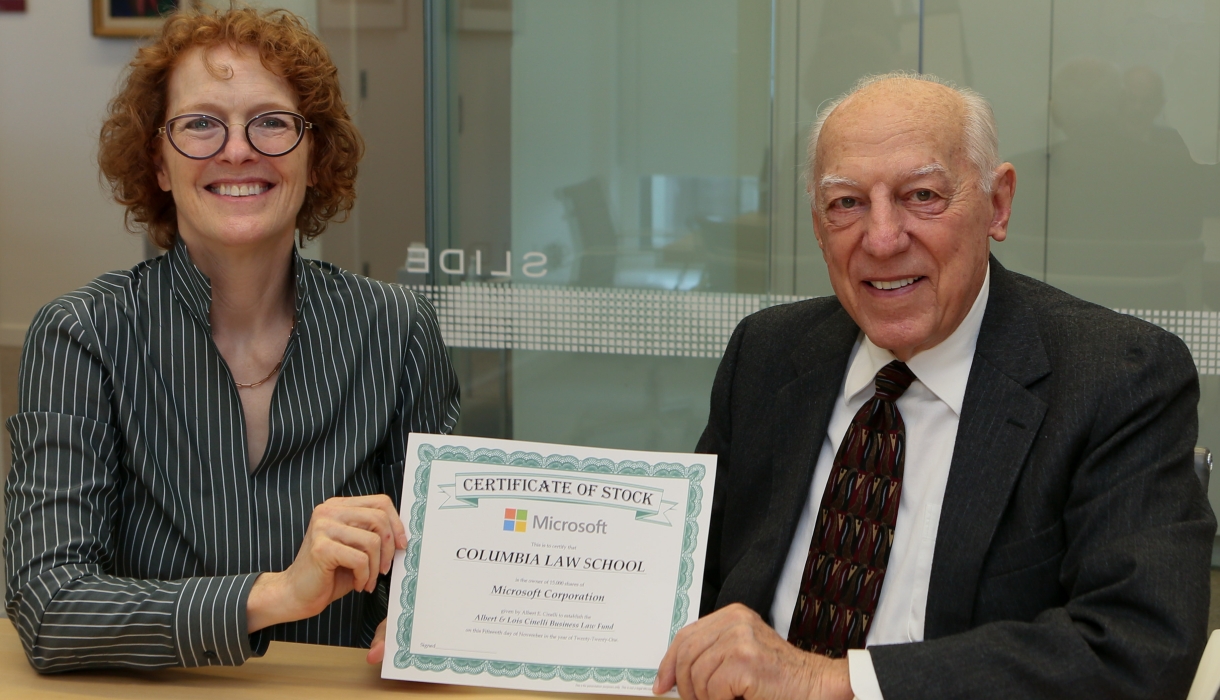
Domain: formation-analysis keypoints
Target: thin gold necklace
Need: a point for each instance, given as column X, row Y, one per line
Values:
column 274, row 369
column 262, row 381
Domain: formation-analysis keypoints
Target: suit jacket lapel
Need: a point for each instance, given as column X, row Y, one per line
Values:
column 1000, row 419
column 801, row 413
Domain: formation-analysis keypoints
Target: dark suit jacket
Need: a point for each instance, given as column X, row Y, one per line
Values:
column 1074, row 543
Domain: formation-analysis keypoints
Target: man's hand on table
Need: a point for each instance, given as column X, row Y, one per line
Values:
column 733, row 653
column 349, row 542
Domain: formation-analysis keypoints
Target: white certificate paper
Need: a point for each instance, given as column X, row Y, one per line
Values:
column 545, row 567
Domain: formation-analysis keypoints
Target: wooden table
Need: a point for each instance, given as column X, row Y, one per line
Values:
column 295, row 671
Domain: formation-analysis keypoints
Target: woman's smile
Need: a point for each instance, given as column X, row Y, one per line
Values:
column 236, row 190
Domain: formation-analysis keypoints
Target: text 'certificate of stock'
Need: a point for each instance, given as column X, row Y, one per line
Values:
column 545, row 567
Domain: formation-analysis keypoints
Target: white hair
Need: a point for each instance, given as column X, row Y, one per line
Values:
column 982, row 139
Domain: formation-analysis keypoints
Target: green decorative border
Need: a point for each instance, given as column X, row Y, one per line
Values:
column 593, row 465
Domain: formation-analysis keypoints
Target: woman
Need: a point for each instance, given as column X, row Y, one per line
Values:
column 205, row 444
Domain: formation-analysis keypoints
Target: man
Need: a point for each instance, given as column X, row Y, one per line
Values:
column 1050, row 538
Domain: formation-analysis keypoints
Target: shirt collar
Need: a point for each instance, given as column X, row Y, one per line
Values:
column 944, row 368
column 194, row 289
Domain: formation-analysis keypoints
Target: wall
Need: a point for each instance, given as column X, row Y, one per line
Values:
column 58, row 229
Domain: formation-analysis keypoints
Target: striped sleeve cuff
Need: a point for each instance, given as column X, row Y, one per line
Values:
column 210, row 621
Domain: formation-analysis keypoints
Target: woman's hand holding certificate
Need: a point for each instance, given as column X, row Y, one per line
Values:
column 349, row 541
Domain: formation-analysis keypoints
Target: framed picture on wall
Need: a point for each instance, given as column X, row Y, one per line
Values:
column 132, row 17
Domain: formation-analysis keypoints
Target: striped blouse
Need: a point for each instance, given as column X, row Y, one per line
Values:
column 135, row 530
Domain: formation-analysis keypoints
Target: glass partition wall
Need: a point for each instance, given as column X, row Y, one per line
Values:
column 600, row 190
column 612, row 184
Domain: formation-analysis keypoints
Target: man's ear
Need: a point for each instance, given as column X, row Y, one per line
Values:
column 1003, row 189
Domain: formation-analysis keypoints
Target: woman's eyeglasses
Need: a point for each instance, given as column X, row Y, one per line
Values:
column 201, row 136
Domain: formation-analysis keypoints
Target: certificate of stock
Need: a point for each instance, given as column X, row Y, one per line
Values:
column 545, row 567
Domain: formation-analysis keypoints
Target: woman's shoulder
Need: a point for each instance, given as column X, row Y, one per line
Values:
column 339, row 291
column 98, row 318
column 110, row 297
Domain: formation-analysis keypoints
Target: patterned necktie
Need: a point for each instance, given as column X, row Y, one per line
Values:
column 855, row 528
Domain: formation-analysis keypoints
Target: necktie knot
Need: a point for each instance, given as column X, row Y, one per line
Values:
column 893, row 380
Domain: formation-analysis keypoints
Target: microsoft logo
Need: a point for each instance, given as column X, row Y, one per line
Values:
column 514, row 519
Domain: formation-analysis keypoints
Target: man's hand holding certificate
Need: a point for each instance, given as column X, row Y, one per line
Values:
column 545, row 567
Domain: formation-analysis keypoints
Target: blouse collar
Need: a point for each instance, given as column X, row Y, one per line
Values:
column 194, row 289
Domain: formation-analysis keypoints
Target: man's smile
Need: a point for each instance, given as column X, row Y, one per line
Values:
column 893, row 284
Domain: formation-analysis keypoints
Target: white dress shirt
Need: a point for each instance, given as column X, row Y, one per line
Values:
column 930, row 410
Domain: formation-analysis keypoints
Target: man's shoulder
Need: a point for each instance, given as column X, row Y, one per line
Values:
column 781, row 342
column 793, row 320
column 1070, row 328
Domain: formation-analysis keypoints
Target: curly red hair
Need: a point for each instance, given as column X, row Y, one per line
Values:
column 286, row 47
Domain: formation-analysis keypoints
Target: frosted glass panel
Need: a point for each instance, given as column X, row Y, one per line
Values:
column 1135, row 110
column 605, row 158
column 639, row 138
column 611, row 400
column 1133, row 206
column 640, row 135
column 1002, row 50
column 840, row 42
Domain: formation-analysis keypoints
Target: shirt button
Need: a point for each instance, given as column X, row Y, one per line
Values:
column 211, row 655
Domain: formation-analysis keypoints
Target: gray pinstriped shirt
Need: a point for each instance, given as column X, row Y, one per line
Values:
column 135, row 530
